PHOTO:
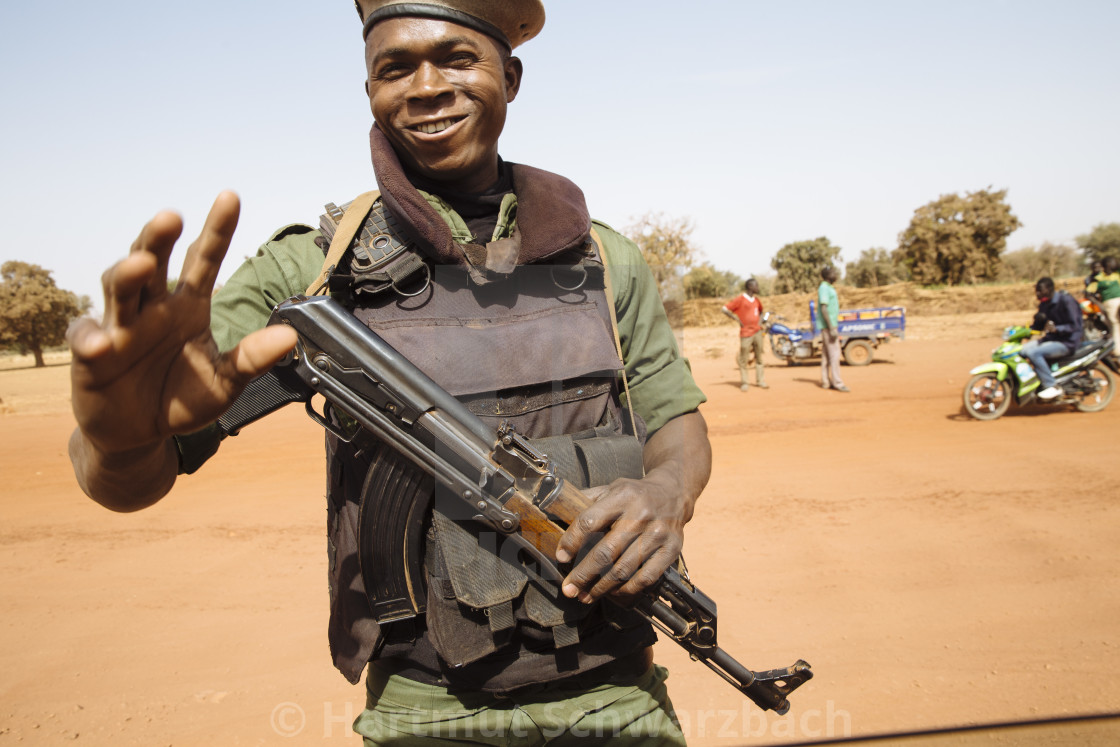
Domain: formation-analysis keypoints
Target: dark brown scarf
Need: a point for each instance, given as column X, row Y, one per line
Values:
column 552, row 216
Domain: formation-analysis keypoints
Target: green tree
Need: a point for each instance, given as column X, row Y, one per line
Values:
column 874, row 267
column 1103, row 241
column 957, row 240
column 34, row 312
column 799, row 264
column 1031, row 263
column 705, row 281
column 666, row 244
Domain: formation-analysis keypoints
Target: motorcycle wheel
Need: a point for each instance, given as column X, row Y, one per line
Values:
column 782, row 349
column 858, row 353
column 986, row 397
column 1106, row 390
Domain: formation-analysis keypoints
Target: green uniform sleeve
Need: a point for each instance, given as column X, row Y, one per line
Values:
column 283, row 267
column 660, row 379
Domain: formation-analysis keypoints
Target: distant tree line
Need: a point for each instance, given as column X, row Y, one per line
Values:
column 953, row 240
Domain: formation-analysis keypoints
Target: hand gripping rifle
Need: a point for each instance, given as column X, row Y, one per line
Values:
column 509, row 485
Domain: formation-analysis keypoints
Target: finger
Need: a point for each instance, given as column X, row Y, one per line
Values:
column 647, row 574
column 158, row 239
column 204, row 258
column 595, row 519
column 608, row 565
column 122, row 285
column 601, row 553
column 594, row 494
column 257, row 353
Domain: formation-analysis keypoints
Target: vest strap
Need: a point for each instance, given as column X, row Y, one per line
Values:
column 352, row 221
column 609, row 287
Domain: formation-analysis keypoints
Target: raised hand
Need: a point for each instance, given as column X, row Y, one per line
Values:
column 151, row 369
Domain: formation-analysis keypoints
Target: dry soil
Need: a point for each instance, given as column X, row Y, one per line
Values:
column 935, row 570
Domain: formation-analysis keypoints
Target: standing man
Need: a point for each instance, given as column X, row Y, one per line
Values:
column 828, row 314
column 746, row 308
column 1059, row 319
column 1105, row 285
column 508, row 296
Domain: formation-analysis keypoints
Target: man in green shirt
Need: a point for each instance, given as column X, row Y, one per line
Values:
column 828, row 307
column 1106, row 285
column 163, row 364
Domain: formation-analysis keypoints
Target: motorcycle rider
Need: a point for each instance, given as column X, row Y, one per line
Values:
column 1059, row 319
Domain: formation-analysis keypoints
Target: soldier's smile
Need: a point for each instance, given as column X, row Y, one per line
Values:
column 437, row 127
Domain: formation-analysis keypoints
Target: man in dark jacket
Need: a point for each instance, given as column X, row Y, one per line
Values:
column 1059, row 319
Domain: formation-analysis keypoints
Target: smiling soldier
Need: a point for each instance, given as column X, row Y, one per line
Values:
column 499, row 286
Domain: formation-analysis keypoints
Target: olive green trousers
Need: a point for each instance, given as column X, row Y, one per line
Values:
column 400, row 711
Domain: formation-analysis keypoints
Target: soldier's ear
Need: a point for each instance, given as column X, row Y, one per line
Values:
column 513, row 72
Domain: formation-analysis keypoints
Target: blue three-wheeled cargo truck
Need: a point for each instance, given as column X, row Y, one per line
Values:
column 861, row 331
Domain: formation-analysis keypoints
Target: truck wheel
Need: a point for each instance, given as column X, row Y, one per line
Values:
column 858, row 353
column 986, row 397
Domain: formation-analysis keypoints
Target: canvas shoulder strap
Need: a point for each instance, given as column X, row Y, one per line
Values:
column 609, row 287
column 348, row 228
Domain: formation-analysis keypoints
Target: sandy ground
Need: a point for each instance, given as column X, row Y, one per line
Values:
column 935, row 571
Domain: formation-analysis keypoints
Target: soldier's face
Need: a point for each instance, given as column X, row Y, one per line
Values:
column 439, row 93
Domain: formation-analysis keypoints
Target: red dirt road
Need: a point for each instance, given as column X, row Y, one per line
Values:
column 934, row 570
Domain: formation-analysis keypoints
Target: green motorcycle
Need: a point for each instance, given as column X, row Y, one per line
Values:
column 1084, row 378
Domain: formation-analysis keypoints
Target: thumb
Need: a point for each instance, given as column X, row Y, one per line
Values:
column 260, row 351
column 87, row 339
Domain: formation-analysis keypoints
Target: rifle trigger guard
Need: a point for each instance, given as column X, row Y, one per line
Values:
column 327, row 424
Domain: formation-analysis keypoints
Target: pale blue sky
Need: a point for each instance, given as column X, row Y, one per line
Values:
column 766, row 122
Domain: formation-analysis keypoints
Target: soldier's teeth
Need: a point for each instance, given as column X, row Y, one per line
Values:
column 432, row 128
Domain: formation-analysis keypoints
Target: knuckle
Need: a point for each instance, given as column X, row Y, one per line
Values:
column 646, row 577
column 622, row 571
column 585, row 522
column 602, row 554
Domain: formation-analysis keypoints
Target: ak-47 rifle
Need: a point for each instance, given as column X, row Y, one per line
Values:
column 509, row 485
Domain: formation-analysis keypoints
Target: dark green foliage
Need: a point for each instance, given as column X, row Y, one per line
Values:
column 798, row 265
column 957, row 240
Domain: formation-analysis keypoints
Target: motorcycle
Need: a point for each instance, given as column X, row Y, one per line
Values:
column 787, row 343
column 1085, row 378
column 1093, row 321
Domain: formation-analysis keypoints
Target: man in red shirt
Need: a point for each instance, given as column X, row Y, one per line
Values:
column 746, row 309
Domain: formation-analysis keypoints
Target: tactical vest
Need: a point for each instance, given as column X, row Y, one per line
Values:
column 537, row 349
